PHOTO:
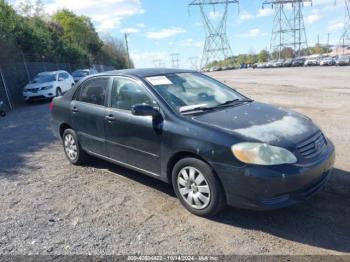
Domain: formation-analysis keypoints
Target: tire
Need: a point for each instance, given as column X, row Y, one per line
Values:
column 58, row 92
column 72, row 148
column 205, row 197
column 2, row 113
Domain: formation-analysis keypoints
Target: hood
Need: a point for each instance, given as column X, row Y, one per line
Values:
column 261, row 123
column 39, row 85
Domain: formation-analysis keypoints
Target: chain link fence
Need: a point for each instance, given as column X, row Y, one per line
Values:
column 15, row 75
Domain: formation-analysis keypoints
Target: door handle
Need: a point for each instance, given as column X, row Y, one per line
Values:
column 74, row 109
column 110, row 118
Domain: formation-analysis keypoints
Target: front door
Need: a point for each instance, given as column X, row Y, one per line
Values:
column 63, row 79
column 88, row 114
column 132, row 140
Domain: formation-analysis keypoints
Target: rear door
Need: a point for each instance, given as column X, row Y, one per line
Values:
column 88, row 114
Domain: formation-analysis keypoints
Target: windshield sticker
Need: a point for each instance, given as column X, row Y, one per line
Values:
column 159, row 80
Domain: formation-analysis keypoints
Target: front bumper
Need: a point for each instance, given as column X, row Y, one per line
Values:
column 40, row 95
column 269, row 187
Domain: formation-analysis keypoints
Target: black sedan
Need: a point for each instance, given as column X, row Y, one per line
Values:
column 214, row 145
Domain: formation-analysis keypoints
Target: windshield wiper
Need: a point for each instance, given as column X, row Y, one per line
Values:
column 204, row 108
column 199, row 108
column 234, row 101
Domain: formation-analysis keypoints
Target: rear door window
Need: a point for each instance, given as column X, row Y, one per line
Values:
column 94, row 91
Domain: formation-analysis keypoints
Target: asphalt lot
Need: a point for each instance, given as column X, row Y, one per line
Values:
column 48, row 206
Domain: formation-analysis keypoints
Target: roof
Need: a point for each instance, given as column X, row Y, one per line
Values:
column 51, row 72
column 146, row 72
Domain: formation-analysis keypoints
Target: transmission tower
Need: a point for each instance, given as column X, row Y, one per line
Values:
column 194, row 62
column 175, row 60
column 158, row 63
column 214, row 15
column 345, row 39
column 288, row 31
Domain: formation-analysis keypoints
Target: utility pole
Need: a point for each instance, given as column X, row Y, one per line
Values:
column 328, row 39
column 288, row 26
column 127, row 50
column 214, row 15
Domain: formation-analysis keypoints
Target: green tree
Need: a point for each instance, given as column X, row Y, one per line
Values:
column 65, row 37
column 319, row 49
column 29, row 9
column 263, row 56
column 113, row 52
column 79, row 31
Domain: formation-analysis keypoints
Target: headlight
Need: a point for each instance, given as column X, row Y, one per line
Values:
column 46, row 87
column 262, row 154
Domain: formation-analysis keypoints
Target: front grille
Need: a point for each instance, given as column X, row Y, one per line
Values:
column 312, row 146
column 33, row 89
column 37, row 97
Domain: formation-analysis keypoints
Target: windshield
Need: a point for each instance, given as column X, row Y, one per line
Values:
column 44, row 78
column 187, row 91
column 80, row 73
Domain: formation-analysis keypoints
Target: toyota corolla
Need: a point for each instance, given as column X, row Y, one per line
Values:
column 215, row 146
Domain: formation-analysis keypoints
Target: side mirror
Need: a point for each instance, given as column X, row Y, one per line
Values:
column 144, row 110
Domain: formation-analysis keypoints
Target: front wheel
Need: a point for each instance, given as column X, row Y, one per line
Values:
column 2, row 113
column 58, row 92
column 72, row 147
column 197, row 187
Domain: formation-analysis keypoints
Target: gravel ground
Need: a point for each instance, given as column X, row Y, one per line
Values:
column 48, row 206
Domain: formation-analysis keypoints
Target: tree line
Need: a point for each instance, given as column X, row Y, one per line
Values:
column 28, row 31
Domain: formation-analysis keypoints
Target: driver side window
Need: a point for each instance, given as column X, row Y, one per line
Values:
column 126, row 93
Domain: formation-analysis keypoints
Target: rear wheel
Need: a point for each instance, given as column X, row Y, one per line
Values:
column 197, row 187
column 72, row 147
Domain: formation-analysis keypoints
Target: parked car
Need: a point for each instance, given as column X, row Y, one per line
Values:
column 327, row 61
column 298, row 62
column 279, row 63
column 2, row 109
column 47, row 85
column 213, row 144
column 311, row 62
column 264, row 65
column 343, row 61
column 288, row 63
column 270, row 64
column 81, row 73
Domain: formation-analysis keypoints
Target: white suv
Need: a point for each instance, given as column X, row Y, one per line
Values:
column 46, row 85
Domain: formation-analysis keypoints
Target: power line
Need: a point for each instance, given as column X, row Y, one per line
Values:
column 216, row 45
column 288, row 30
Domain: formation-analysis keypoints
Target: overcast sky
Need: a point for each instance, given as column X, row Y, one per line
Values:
column 158, row 28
